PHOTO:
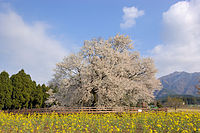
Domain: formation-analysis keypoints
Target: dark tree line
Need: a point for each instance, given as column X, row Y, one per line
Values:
column 20, row 91
column 187, row 99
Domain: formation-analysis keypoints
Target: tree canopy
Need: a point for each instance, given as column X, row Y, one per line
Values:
column 105, row 73
column 5, row 91
column 19, row 91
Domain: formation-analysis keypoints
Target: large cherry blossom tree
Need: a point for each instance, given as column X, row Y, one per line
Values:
column 105, row 73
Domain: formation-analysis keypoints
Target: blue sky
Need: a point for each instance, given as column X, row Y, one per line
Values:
column 36, row 34
column 80, row 20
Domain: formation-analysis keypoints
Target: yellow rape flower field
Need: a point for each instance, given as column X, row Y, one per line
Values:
column 183, row 122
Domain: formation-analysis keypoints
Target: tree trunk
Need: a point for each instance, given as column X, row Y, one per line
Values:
column 95, row 95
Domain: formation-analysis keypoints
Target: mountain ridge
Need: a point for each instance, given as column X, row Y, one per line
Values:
column 179, row 83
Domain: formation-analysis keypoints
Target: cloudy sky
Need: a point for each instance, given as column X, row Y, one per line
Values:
column 35, row 34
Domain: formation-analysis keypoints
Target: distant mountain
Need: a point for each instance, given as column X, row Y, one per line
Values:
column 179, row 83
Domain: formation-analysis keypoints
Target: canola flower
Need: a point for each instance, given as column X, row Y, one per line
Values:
column 183, row 122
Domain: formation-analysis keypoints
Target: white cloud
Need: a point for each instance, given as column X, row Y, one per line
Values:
column 180, row 50
column 130, row 14
column 27, row 46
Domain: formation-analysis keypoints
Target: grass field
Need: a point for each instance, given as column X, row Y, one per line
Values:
column 138, row 122
column 184, row 110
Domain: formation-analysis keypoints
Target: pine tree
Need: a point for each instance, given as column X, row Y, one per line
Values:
column 22, row 88
column 45, row 89
column 37, row 97
column 5, row 91
column 20, row 91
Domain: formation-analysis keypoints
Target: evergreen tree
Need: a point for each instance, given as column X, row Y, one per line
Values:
column 5, row 91
column 45, row 89
column 22, row 90
column 37, row 97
